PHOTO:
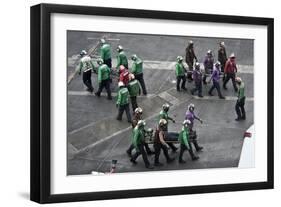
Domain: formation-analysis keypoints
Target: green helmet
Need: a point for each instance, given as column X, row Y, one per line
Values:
column 100, row 61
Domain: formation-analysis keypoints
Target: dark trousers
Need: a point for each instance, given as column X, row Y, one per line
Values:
column 198, row 87
column 222, row 66
column 157, row 148
column 87, row 80
column 147, row 149
column 121, row 110
column 227, row 78
column 216, row 85
column 179, row 79
column 207, row 72
column 189, row 72
column 104, row 84
column 183, row 148
column 171, row 136
column 139, row 77
column 141, row 151
column 134, row 103
column 108, row 62
column 239, row 108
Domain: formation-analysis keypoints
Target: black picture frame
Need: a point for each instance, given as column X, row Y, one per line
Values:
column 41, row 98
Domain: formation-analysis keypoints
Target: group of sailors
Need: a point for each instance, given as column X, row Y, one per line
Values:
column 131, row 83
column 162, row 139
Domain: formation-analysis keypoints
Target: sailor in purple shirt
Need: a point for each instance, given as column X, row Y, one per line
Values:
column 190, row 115
column 216, row 80
column 208, row 65
column 197, row 77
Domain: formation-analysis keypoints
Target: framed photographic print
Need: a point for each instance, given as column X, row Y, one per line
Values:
column 133, row 103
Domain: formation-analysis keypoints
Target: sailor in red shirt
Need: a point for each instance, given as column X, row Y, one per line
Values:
column 124, row 75
column 230, row 71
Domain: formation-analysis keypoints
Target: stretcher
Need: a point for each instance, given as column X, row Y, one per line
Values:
column 169, row 137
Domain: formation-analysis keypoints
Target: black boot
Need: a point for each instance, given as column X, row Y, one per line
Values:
column 181, row 161
column 169, row 160
column 197, row 147
column 193, row 156
column 133, row 161
column 149, row 166
column 158, row 164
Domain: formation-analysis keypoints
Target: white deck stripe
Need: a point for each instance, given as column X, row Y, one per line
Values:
column 168, row 97
column 162, row 65
column 227, row 98
column 164, row 95
column 86, row 93
column 109, row 39
column 169, row 65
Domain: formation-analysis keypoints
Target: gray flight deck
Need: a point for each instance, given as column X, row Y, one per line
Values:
column 95, row 137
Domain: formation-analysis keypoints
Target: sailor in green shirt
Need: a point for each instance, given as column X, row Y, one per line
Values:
column 239, row 107
column 137, row 70
column 103, row 79
column 86, row 67
column 121, row 57
column 123, row 102
column 134, row 90
column 138, row 142
column 180, row 73
column 185, row 144
column 164, row 115
column 105, row 53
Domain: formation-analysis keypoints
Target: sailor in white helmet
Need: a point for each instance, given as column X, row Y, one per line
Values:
column 123, row 102
column 138, row 142
column 190, row 115
column 185, row 143
column 86, row 67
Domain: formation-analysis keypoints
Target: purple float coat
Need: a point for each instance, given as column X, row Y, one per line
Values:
column 197, row 76
column 216, row 74
column 208, row 62
column 189, row 115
